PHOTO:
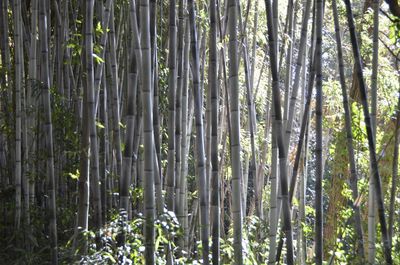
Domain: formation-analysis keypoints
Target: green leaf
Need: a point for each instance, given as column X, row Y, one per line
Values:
column 99, row 29
column 110, row 257
column 99, row 125
column 71, row 45
column 74, row 175
column 98, row 59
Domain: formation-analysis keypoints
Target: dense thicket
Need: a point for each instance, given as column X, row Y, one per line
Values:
column 199, row 132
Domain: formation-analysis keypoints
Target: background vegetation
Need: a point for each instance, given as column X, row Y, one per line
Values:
column 197, row 132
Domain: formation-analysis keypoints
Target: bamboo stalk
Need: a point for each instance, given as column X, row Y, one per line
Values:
column 370, row 135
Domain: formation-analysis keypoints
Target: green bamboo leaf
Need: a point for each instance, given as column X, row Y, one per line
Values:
column 99, row 125
column 98, row 59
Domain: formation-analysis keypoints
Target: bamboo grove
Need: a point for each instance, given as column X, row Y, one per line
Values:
column 199, row 132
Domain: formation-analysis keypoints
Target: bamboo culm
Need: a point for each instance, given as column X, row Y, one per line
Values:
column 370, row 135
column 202, row 183
column 287, row 226
column 349, row 135
column 147, row 99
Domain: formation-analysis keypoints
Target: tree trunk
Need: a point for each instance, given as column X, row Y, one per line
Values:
column 147, row 99
column 319, row 170
column 214, row 88
column 178, row 118
column 235, row 132
column 371, row 192
column 349, row 136
column 115, row 92
column 370, row 135
column 394, row 169
column 186, row 130
column 287, row 226
column 202, row 183
column 94, row 150
column 19, row 64
column 45, row 97
column 170, row 182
